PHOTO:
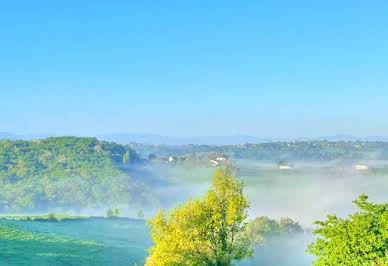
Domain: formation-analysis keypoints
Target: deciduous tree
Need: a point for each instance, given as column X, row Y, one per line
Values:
column 206, row 231
column 361, row 239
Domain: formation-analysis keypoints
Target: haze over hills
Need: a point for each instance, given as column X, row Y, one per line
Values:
column 12, row 136
column 156, row 139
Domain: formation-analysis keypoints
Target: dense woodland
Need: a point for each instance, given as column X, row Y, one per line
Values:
column 273, row 151
column 65, row 172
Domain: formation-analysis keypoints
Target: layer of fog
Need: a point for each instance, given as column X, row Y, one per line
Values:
column 306, row 193
column 309, row 192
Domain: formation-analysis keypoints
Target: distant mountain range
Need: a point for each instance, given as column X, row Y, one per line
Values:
column 11, row 136
column 155, row 139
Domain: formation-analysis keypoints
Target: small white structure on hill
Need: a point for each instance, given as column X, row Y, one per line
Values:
column 213, row 162
column 221, row 158
column 285, row 167
column 361, row 167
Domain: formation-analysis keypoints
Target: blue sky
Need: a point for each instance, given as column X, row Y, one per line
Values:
column 189, row 68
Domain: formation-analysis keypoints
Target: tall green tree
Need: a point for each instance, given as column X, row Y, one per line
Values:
column 109, row 213
column 360, row 239
column 126, row 157
column 140, row 214
column 206, row 231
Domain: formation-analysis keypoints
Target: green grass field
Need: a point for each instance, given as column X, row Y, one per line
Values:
column 105, row 242
column 78, row 242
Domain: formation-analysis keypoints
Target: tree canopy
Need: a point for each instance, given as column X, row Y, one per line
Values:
column 206, row 231
column 360, row 239
column 65, row 172
column 262, row 228
column 287, row 151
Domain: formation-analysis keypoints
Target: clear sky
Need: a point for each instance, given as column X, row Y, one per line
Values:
column 190, row 68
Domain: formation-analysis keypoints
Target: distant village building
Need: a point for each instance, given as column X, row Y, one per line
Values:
column 285, row 167
column 361, row 167
column 213, row 163
column 221, row 158
column 162, row 159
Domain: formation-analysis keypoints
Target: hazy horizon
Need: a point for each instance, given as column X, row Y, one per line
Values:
column 157, row 139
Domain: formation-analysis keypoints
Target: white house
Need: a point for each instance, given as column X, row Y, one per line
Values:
column 221, row 158
column 285, row 167
column 361, row 167
column 213, row 162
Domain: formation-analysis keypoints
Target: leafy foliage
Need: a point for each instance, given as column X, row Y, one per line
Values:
column 65, row 172
column 262, row 228
column 140, row 214
column 207, row 231
column 278, row 151
column 109, row 213
column 361, row 239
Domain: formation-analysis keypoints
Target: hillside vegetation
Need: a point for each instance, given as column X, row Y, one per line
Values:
column 65, row 172
column 275, row 151
column 60, row 173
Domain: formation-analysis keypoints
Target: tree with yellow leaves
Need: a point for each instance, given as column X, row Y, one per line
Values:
column 206, row 231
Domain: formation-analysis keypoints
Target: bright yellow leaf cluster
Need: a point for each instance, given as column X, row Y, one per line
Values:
column 206, row 231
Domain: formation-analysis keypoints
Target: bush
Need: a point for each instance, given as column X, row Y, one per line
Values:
column 360, row 239
column 109, row 213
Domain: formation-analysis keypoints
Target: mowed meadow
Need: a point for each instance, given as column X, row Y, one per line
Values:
column 80, row 242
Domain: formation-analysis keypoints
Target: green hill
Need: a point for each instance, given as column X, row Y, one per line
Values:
column 66, row 172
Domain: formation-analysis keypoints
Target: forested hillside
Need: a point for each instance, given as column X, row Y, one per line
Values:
column 274, row 151
column 65, row 172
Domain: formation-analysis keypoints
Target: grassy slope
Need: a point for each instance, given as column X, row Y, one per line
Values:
column 78, row 242
column 20, row 247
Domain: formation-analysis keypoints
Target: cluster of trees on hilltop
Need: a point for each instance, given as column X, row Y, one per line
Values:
column 275, row 151
column 67, row 172
column 263, row 228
